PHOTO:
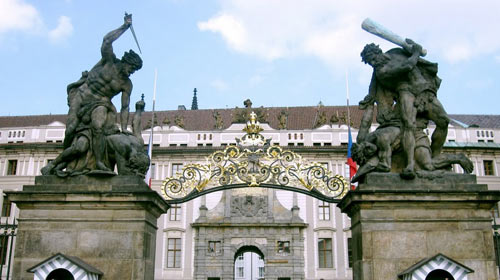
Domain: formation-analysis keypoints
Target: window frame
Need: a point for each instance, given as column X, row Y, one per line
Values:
column 176, row 262
column 175, row 168
column 350, row 258
column 282, row 247
column 324, row 211
column 174, row 213
column 488, row 167
column 216, row 248
column 325, row 253
column 12, row 167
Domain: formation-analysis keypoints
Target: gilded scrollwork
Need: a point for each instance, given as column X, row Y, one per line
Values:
column 255, row 162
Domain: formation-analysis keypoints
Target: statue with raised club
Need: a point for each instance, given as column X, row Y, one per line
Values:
column 404, row 86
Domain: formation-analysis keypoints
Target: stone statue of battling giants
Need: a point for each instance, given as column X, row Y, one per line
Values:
column 93, row 143
column 404, row 89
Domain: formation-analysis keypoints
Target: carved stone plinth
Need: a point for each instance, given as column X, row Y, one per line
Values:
column 109, row 223
column 396, row 223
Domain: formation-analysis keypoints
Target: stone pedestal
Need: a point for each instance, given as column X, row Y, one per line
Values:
column 109, row 223
column 396, row 223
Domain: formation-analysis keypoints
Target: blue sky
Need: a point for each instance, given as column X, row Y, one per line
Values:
column 275, row 52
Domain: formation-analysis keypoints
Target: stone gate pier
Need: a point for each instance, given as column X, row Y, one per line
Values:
column 397, row 223
column 108, row 222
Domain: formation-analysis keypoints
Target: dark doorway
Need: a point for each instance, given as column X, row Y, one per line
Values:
column 60, row 274
column 439, row 274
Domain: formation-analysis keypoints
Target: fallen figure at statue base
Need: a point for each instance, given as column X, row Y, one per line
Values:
column 124, row 150
column 382, row 152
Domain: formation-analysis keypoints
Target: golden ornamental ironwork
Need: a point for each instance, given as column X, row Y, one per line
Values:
column 254, row 162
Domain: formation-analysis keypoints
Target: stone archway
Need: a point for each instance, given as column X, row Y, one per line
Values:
column 249, row 263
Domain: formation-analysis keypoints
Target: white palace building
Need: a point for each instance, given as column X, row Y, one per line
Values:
column 250, row 233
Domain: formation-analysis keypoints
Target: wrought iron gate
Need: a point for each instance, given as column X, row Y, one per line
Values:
column 8, row 233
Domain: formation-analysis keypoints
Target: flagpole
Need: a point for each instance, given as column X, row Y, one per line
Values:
column 154, row 96
column 348, row 111
column 147, row 179
column 348, row 118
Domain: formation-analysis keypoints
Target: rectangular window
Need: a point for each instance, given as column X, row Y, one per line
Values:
column 325, row 165
column 12, row 168
column 175, row 212
column 174, row 253
column 153, row 170
column 240, row 272
column 488, row 168
column 325, row 253
column 214, row 247
column 176, row 167
column 213, row 278
column 349, row 251
column 6, row 207
column 283, row 247
column 324, row 211
column 261, row 272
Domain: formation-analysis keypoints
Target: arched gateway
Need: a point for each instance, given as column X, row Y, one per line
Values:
column 249, row 234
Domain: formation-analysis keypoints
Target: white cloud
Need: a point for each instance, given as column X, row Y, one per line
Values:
column 16, row 15
column 220, row 85
column 458, row 53
column 230, row 28
column 454, row 30
column 63, row 30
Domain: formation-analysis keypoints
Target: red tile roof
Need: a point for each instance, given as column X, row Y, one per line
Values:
column 299, row 118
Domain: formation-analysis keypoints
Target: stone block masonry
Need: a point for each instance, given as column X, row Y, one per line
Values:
column 396, row 223
column 108, row 222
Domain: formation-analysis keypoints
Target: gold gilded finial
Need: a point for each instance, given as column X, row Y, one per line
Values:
column 253, row 126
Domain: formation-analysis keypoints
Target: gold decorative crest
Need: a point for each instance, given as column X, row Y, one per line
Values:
column 254, row 162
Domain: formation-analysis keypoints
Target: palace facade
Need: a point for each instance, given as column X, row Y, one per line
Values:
column 249, row 233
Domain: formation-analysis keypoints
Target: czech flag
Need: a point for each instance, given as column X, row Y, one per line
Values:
column 353, row 168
